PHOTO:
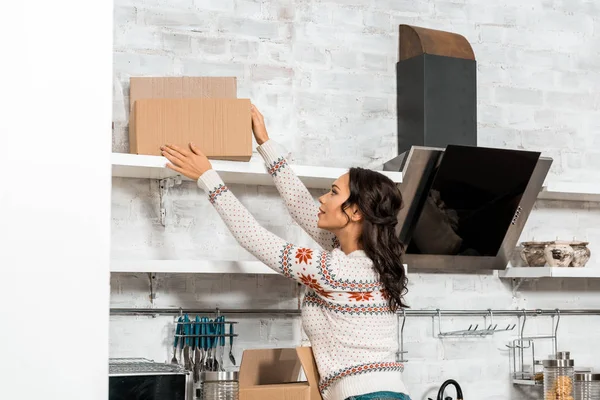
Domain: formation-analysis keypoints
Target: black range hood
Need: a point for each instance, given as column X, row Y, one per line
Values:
column 464, row 206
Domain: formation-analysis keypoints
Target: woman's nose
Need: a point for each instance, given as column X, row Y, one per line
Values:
column 321, row 199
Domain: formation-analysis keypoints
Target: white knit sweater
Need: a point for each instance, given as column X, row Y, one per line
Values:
column 345, row 313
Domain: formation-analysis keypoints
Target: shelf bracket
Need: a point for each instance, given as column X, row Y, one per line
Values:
column 152, row 279
column 163, row 190
column 516, row 285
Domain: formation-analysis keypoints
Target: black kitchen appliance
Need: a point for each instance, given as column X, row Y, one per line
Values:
column 465, row 206
column 141, row 379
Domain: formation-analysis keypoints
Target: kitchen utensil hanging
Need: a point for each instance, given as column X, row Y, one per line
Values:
column 473, row 331
column 202, row 343
column 522, row 344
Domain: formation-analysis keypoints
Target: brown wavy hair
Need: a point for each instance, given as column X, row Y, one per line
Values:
column 379, row 200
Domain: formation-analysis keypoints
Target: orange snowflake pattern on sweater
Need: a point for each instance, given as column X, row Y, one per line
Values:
column 303, row 255
column 311, row 282
column 361, row 296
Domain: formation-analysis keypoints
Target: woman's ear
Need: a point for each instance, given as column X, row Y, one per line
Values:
column 356, row 214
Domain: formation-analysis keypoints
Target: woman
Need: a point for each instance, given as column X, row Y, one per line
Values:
column 355, row 282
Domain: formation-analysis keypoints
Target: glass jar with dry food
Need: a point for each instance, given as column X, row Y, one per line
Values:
column 558, row 378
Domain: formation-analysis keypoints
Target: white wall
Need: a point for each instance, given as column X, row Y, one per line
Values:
column 323, row 75
column 55, row 97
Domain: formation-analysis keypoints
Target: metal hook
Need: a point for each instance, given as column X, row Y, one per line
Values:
column 523, row 324
column 555, row 339
column 401, row 352
column 403, row 320
column 491, row 326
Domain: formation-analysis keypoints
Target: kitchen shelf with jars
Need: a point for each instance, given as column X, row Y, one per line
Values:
column 549, row 272
column 553, row 259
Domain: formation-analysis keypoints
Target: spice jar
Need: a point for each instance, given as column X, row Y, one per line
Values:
column 558, row 378
column 222, row 385
column 586, row 386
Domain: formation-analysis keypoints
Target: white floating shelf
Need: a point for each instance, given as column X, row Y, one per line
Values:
column 190, row 266
column 549, row 272
column 193, row 267
column 250, row 173
column 571, row 191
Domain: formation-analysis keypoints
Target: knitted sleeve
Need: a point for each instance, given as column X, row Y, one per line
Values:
column 310, row 267
column 298, row 200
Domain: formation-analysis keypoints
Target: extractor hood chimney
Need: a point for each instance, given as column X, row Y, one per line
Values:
column 465, row 206
column 437, row 89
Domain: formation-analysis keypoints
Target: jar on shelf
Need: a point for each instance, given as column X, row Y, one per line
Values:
column 558, row 378
column 221, row 385
column 586, row 386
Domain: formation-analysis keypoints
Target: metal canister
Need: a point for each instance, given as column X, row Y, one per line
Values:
column 586, row 386
column 558, row 378
column 222, row 385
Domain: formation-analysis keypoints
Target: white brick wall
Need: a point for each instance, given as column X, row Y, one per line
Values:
column 323, row 74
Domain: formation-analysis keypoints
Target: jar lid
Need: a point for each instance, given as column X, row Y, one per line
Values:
column 534, row 244
column 586, row 377
column 559, row 363
column 218, row 376
column 576, row 243
column 561, row 242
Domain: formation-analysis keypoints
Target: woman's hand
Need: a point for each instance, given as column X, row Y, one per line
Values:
column 191, row 163
column 258, row 125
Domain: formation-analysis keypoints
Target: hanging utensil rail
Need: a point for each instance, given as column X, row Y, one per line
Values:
column 408, row 313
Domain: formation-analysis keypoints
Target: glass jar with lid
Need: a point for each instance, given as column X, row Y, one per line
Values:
column 218, row 385
column 586, row 386
column 558, row 378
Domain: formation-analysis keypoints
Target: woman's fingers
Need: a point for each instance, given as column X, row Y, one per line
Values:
column 254, row 111
column 175, row 155
column 178, row 149
column 173, row 158
column 196, row 150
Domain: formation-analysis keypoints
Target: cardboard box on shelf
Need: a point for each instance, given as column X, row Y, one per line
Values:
column 221, row 128
column 181, row 87
column 273, row 374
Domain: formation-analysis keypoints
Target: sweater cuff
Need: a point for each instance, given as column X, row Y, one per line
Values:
column 270, row 152
column 210, row 180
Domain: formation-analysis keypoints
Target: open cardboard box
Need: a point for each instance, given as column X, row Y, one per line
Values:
column 274, row 374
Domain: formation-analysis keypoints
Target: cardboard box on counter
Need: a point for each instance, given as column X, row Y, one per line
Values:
column 273, row 374
column 221, row 128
